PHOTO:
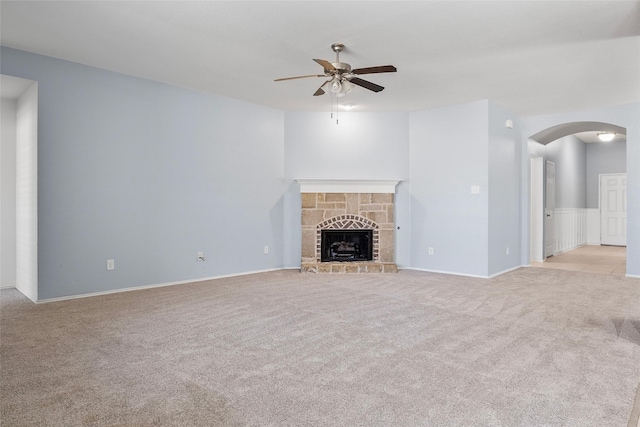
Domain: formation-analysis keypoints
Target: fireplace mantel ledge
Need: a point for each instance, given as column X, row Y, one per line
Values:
column 348, row 185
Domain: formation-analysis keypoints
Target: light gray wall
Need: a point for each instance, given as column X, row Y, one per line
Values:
column 149, row 174
column 361, row 146
column 625, row 116
column 603, row 158
column 449, row 154
column 505, row 147
column 570, row 157
column 8, row 192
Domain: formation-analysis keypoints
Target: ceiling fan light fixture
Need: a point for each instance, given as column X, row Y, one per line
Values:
column 606, row 136
column 347, row 86
column 335, row 86
column 345, row 89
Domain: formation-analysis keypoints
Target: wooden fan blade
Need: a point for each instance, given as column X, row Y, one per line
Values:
column 320, row 91
column 298, row 77
column 366, row 84
column 328, row 66
column 373, row 70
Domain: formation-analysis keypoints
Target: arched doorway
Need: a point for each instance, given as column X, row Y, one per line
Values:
column 573, row 218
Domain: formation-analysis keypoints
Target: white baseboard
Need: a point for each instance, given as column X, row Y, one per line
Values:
column 465, row 274
column 569, row 249
column 203, row 279
column 451, row 273
column 19, row 290
column 28, row 295
column 158, row 285
column 506, row 271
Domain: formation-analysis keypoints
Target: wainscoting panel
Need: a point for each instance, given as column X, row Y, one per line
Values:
column 571, row 229
column 593, row 226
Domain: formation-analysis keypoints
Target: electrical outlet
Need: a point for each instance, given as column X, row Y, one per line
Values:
column 507, row 250
column 266, row 249
column 111, row 264
column 475, row 189
column 200, row 256
column 430, row 251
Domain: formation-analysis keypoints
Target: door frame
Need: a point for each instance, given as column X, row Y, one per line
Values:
column 549, row 212
column 536, row 214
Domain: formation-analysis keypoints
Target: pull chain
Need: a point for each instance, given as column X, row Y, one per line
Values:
column 331, row 104
column 332, row 107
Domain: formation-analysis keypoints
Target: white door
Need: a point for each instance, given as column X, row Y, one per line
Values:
column 549, row 207
column 613, row 209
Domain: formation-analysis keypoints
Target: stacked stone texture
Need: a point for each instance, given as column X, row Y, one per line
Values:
column 348, row 211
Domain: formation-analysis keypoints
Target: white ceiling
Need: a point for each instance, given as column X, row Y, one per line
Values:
column 533, row 57
column 592, row 137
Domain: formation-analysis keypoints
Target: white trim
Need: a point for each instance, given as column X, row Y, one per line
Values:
column 7, row 286
column 27, row 193
column 426, row 270
column 571, row 229
column 464, row 274
column 158, row 285
column 27, row 294
column 385, row 186
column 505, row 271
column 536, row 210
column 633, row 276
column 550, row 243
column 450, row 273
column 593, row 226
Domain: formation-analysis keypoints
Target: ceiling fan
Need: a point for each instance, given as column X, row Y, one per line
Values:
column 342, row 77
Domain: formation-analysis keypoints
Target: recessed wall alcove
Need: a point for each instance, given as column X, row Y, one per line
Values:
column 344, row 206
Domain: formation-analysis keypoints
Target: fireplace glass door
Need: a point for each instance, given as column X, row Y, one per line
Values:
column 346, row 245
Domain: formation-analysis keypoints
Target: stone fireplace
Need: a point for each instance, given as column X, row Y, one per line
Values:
column 348, row 226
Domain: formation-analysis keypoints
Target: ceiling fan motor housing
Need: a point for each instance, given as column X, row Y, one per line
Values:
column 341, row 67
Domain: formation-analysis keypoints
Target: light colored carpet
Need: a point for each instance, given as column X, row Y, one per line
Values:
column 532, row 347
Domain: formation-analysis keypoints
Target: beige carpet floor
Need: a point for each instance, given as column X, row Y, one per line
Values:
column 533, row 347
column 599, row 259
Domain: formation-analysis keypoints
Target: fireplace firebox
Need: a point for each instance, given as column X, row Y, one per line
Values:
column 346, row 245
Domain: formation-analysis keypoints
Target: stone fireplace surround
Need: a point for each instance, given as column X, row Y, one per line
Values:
column 352, row 205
